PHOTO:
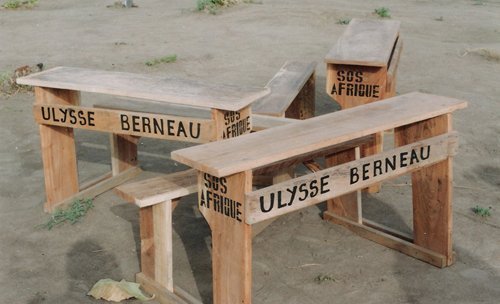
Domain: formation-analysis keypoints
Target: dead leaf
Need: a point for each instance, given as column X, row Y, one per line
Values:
column 111, row 290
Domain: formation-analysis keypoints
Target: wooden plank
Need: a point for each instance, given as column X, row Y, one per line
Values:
column 284, row 86
column 58, row 150
column 365, row 42
column 162, row 227
column 351, row 85
column 390, row 241
column 229, row 124
column 306, row 136
column 347, row 205
column 159, row 189
column 221, row 201
column 123, row 152
column 95, row 181
column 333, row 182
column 157, row 89
column 431, row 191
column 146, row 228
column 393, row 69
column 262, row 122
column 96, row 189
column 162, row 294
column 126, row 122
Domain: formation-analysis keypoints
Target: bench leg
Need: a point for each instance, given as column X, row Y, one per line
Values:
column 123, row 152
column 58, row 150
column 348, row 205
column 432, row 190
column 231, row 236
column 156, row 243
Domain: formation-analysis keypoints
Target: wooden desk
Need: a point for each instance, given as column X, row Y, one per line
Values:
column 57, row 109
column 231, row 207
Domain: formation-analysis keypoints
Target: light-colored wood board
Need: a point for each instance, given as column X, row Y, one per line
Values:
column 221, row 201
column 158, row 89
column 147, row 232
column 94, row 181
column 162, row 222
column 347, row 205
column 123, row 152
column 159, row 189
column 305, row 136
column 230, row 124
column 125, row 122
column 373, row 148
column 431, row 191
column 162, row 295
column 365, row 42
column 284, row 86
column 96, row 189
column 262, row 122
column 342, row 179
column 352, row 86
column 392, row 70
column 390, row 241
column 58, row 150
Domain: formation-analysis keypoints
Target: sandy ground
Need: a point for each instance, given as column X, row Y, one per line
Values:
column 247, row 44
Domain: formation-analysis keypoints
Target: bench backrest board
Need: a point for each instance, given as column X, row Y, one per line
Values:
column 302, row 137
column 365, row 43
column 157, row 89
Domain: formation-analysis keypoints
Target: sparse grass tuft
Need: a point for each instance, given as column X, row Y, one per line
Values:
column 73, row 214
column 8, row 85
column 14, row 4
column 343, row 21
column 166, row 59
column 481, row 211
column 212, row 6
column 383, row 12
column 323, row 278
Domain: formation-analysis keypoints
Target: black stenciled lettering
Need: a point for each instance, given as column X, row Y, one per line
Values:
column 146, row 125
column 353, row 176
column 124, row 122
column 238, row 212
column 366, row 170
column 377, row 167
column 303, row 189
column 292, row 192
column 413, row 157
column 82, row 118
column 209, row 198
column 271, row 202
column 390, row 164
column 64, row 113
column 314, row 188
column 422, row 154
column 181, row 130
column 192, row 133
column 340, row 75
column 203, row 203
column 170, row 127
column 376, row 89
column 72, row 116
column 91, row 118
column 158, row 126
column 323, row 183
column 45, row 115
column 207, row 180
column 54, row 114
column 223, row 185
column 359, row 76
column 403, row 157
column 136, row 121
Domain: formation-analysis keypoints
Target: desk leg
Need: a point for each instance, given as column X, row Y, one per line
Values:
column 58, row 150
column 432, row 190
column 348, row 205
column 221, row 201
column 123, row 152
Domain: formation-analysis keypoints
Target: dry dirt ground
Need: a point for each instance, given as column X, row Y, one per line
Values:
column 247, row 44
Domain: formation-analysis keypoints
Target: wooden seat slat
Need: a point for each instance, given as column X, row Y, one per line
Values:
column 284, row 86
column 366, row 43
column 159, row 189
column 158, row 89
column 302, row 137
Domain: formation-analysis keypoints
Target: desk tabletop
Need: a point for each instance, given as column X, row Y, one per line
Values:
column 366, row 43
column 157, row 89
column 302, row 137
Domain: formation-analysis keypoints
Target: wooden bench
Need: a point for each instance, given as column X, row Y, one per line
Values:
column 362, row 67
column 57, row 109
column 292, row 95
column 425, row 149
